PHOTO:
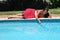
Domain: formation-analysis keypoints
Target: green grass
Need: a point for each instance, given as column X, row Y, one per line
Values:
column 10, row 12
column 53, row 11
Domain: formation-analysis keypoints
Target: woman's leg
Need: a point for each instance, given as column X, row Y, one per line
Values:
column 15, row 16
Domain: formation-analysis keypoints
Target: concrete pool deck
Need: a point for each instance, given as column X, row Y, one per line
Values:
column 3, row 17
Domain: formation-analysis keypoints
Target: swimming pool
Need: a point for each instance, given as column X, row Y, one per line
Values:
column 30, row 29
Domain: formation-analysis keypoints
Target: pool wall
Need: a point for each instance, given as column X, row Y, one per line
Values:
column 31, row 20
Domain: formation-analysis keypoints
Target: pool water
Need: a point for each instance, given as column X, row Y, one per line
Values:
column 30, row 30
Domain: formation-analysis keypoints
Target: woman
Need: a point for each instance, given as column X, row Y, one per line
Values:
column 32, row 13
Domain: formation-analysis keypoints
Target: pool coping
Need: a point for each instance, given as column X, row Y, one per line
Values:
column 29, row 18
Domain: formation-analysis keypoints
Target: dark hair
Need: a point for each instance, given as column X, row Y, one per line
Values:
column 46, row 15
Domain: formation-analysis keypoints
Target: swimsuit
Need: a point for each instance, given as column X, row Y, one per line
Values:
column 29, row 13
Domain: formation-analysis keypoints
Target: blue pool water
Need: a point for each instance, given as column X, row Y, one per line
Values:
column 30, row 29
